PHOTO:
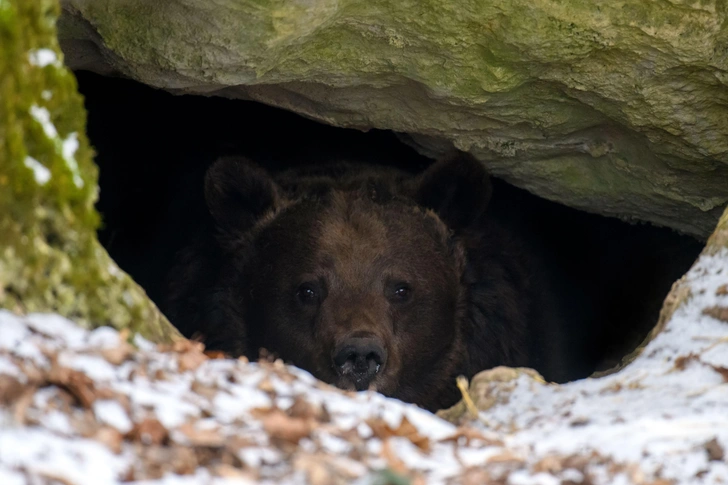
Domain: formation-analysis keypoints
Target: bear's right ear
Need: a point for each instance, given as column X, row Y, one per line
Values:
column 238, row 193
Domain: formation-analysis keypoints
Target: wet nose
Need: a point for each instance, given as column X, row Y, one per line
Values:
column 359, row 359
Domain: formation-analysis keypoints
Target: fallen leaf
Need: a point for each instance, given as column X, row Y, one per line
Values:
column 204, row 390
column 505, row 457
column 723, row 371
column 682, row 361
column 266, row 385
column 22, row 404
column 281, row 426
column 393, row 461
column 216, row 354
column 190, row 360
column 382, row 430
column 119, row 354
column 715, row 450
column 470, row 434
column 549, row 464
column 301, row 408
column 149, row 432
column 110, row 437
column 10, row 389
column 202, row 437
column 722, row 290
column 317, row 473
column 182, row 346
column 78, row 384
column 231, row 472
column 717, row 312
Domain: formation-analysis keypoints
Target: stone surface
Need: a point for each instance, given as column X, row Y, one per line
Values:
column 618, row 108
column 50, row 259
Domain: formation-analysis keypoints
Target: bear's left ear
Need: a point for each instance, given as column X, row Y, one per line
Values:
column 238, row 193
column 458, row 189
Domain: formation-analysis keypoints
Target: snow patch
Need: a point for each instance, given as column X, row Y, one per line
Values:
column 40, row 172
column 43, row 57
column 112, row 414
column 43, row 117
column 70, row 146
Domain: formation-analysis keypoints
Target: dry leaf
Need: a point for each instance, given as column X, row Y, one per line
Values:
column 505, row 457
column 715, row 450
column 203, row 390
column 216, row 354
column 392, row 459
column 549, row 464
column 109, row 437
column 23, row 403
column 78, row 384
column 279, row 425
column 119, row 354
column 10, row 389
column 233, row 473
column 190, row 360
column 266, row 385
column 682, row 361
column 722, row 290
column 315, row 468
column 717, row 312
column 723, row 371
column 470, row 434
column 148, row 432
column 301, row 408
column 202, row 437
column 405, row 429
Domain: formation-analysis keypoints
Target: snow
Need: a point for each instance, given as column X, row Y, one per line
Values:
column 44, row 454
column 95, row 367
column 65, row 147
column 43, row 116
column 664, row 417
column 103, row 338
column 111, row 413
column 7, row 367
column 40, row 172
column 69, row 148
column 43, row 57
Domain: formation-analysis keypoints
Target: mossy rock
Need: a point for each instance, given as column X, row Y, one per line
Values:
column 618, row 108
column 50, row 259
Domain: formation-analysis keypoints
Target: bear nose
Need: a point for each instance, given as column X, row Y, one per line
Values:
column 359, row 359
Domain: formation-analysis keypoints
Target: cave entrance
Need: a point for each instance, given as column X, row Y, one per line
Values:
column 153, row 149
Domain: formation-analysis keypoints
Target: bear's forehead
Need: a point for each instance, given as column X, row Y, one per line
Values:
column 357, row 236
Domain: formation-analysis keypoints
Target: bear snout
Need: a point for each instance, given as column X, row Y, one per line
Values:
column 359, row 359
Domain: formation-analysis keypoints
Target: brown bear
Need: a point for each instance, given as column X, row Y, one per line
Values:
column 368, row 277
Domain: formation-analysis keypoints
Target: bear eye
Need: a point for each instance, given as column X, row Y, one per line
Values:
column 401, row 292
column 308, row 294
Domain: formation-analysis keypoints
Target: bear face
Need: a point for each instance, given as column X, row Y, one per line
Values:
column 361, row 294
column 356, row 278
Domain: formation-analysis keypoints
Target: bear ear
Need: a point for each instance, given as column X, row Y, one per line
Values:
column 238, row 193
column 458, row 189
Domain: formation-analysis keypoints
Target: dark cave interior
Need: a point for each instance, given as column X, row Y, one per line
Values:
column 153, row 149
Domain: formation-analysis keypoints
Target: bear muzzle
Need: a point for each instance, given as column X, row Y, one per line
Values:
column 358, row 360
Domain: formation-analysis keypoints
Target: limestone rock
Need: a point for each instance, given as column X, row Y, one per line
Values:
column 619, row 108
column 50, row 259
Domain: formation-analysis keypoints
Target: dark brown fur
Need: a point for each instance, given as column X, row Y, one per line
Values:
column 478, row 296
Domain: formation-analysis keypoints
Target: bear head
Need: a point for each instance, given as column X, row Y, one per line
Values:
column 356, row 279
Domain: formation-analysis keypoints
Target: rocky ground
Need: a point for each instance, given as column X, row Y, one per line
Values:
column 80, row 407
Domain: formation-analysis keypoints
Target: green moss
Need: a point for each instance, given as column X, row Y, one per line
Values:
column 49, row 257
